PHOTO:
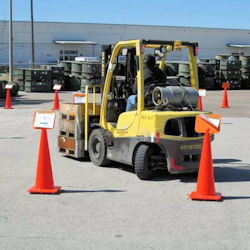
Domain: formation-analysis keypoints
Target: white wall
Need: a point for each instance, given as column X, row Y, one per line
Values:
column 211, row 41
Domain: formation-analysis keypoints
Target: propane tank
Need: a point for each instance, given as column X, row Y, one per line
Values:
column 175, row 96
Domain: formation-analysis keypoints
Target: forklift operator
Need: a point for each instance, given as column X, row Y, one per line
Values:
column 152, row 74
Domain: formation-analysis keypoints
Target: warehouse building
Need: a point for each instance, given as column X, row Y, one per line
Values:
column 64, row 41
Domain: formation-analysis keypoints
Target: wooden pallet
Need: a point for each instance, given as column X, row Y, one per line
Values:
column 71, row 147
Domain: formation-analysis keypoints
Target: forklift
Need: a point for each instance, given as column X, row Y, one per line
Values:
column 160, row 132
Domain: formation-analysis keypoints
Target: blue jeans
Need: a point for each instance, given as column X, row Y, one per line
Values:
column 132, row 100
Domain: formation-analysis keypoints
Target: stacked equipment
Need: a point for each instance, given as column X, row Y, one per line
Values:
column 230, row 70
column 184, row 73
column 79, row 74
column 208, row 71
column 37, row 80
column 91, row 74
column 57, row 75
column 76, row 74
column 245, row 71
column 20, row 74
column 66, row 65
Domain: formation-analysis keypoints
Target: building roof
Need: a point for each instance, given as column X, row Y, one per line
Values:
column 239, row 45
column 75, row 42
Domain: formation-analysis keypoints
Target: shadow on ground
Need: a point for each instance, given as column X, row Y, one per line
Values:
column 11, row 138
column 15, row 101
column 216, row 161
column 92, row 191
column 222, row 173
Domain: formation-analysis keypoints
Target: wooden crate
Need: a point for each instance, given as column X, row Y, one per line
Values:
column 71, row 128
column 71, row 147
column 72, row 111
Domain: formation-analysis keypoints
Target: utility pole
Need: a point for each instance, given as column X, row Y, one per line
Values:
column 10, row 46
column 32, row 36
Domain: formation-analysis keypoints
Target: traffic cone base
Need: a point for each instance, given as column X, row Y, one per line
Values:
column 8, row 108
column 35, row 190
column 196, row 196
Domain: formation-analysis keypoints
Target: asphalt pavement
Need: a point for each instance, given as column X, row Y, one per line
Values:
column 109, row 207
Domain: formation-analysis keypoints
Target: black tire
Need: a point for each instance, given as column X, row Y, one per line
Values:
column 143, row 169
column 98, row 148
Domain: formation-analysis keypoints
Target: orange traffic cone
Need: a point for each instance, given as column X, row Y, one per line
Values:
column 225, row 103
column 200, row 103
column 205, row 189
column 8, row 100
column 56, row 101
column 44, row 177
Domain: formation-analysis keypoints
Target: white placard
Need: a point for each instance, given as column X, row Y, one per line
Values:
column 202, row 92
column 8, row 86
column 79, row 99
column 57, row 87
column 213, row 121
column 44, row 120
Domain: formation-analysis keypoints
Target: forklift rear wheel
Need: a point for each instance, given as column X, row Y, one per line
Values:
column 98, row 147
column 143, row 169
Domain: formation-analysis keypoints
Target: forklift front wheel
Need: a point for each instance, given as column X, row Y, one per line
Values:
column 98, row 147
column 143, row 168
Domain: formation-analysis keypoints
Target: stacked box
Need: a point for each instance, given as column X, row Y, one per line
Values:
column 37, row 80
column 20, row 74
column 71, row 128
column 230, row 70
column 245, row 71
column 57, row 75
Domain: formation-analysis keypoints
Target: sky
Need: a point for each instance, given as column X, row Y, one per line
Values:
column 233, row 14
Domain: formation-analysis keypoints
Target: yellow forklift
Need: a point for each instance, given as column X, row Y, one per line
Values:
column 159, row 133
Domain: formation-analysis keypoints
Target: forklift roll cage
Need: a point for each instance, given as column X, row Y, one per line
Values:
column 140, row 45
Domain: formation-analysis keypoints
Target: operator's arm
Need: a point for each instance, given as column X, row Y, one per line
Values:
column 135, row 86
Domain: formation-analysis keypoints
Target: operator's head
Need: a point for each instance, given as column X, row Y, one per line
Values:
column 149, row 60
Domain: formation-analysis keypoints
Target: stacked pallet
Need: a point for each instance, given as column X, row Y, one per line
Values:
column 71, row 139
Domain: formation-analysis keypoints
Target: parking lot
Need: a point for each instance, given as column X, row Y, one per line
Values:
column 109, row 207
